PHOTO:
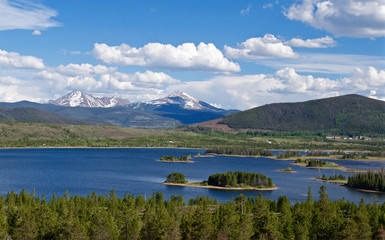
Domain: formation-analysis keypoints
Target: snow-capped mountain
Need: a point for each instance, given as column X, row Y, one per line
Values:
column 181, row 100
column 182, row 107
column 80, row 99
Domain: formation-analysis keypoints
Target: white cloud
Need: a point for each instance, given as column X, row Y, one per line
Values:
column 36, row 32
column 187, row 57
column 83, row 69
column 15, row 60
column 326, row 63
column 267, row 5
column 285, row 85
column 14, row 89
column 25, row 15
column 88, row 77
column 246, row 11
column 353, row 18
column 259, row 48
column 312, row 43
column 371, row 79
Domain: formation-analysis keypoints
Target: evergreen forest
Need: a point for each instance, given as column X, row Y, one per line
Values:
column 370, row 180
column 26, row 216
column 240, row 179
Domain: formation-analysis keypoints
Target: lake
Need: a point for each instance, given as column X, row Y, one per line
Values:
column 136, row 171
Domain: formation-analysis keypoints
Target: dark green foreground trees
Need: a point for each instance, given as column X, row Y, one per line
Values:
column 24, row 216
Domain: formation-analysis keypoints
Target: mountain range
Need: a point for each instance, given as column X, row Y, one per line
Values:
column 80, row 99
column 349, row 114
column 82, row 108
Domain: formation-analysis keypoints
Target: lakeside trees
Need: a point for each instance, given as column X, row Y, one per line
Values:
column 316, row 163
column 237, row 179
column 25, row 216
column 289, row 154
column 370, row 180
column 175, row 177
column 239, row 150
column 171, row 158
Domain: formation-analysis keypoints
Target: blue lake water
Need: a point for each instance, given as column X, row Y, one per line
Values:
column 136, row 171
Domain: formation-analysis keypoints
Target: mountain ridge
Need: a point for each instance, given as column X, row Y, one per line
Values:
column 80, row 99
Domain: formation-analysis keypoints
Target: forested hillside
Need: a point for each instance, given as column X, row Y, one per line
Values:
column 27, row 114
column 349, row 114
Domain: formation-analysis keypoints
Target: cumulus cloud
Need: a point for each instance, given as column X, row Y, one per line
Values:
column 285, row 85
column 14, row 89
column 370, row 79
column 353, row 18
column 36, row 32
column 326, row 63
column 243, row 92
column 259, row 48
column 295, row 83
column 187, row 57
column 15, row 60
column 312, row 43
column 25, row 15
column 89, row 77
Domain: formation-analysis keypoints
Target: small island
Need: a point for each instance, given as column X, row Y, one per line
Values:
column 169, row 158
column 226, row 181
column 310, row 163
column 204, row 155
column 287, row 170
column 333, row 179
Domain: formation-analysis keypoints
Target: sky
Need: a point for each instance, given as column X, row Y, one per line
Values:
column 232, row 54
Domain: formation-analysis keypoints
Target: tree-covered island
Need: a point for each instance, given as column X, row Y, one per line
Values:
column 287, row 170
column 310, row 163
column 226, row 181
column 333, row 178
column 170, row 158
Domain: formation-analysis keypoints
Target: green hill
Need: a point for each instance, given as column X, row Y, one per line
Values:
column 349, row 114
column 26, row 114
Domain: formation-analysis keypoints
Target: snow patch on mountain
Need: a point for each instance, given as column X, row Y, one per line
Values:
column 184, row 100
column 80, row 99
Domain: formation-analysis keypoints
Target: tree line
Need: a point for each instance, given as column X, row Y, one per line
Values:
column 172, row 158
column 239, row 179
column 26, row 216
column 334, row 177
column 289, row 154
column 315, row 163
column 239, row 150
column 370, row 180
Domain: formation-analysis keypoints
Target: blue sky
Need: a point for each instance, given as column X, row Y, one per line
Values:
column 234, row 54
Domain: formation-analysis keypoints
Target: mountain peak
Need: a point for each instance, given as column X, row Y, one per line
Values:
column 179, row 93
column 80, row 99
column 184, row 101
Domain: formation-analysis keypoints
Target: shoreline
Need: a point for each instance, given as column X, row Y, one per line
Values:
column 189, row 161
column 374, row 159
column 362, row 190
column 219, row 188
column 330, row 181
column 85, row 147
column 341, row 168
column 284, row 171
